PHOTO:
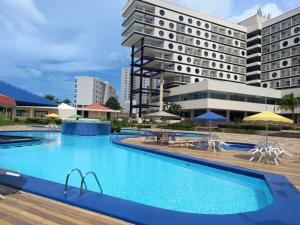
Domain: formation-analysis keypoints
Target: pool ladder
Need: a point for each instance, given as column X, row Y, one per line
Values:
column 112, row 135
column 82, row 180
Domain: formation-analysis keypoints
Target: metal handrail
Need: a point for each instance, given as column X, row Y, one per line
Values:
column 68, row 176
column 83, row 181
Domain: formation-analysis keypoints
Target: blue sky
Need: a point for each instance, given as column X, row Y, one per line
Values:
column 45, row 43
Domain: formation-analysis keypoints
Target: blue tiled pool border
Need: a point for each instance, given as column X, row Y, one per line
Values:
column 284, row 210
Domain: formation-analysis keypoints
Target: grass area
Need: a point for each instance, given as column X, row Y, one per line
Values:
column 11, row 122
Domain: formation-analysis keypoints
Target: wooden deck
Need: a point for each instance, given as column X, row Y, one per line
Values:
column 289, row 167
column 26, row 209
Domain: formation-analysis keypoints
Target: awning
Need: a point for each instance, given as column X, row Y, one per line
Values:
column 6, row 101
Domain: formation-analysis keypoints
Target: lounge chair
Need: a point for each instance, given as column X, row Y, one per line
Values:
column 149, row 138
column 8, row 173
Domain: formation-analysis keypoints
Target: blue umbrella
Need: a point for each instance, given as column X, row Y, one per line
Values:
column 209, row 117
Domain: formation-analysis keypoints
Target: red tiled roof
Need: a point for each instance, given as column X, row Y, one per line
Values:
column 6, row 101
column 96, row 106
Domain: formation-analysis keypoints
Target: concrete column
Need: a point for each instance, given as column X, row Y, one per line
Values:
column 228, row 115
column 192, row 114
column 31, row 114
column 161, row 92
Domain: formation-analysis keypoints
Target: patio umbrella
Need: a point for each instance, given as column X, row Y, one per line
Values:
column 164, row 115
column 53, row 116
column 75, row 116
column 209, row 117
column 268, row 117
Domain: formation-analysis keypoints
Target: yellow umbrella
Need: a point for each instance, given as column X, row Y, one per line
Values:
column 53, row 116
column 267, row 117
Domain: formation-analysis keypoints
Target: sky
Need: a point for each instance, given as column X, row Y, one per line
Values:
column 45, row 43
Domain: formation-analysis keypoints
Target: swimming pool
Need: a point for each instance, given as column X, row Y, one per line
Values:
column 137, row 176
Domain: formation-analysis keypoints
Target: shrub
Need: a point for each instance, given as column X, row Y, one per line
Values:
column 42, row 121
column 182, row 125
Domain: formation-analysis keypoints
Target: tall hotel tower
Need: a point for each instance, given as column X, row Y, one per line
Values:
column 180, row 46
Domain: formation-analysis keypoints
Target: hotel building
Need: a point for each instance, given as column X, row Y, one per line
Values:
column 89, row 90
column 181, row 47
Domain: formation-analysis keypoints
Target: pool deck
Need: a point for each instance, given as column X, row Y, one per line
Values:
column 289, row 167
column 20, row 208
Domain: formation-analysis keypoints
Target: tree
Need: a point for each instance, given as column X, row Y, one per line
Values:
column 113, row 103
column 49, row 97
column 66, row 101
column 174, row 108
column 290, row 103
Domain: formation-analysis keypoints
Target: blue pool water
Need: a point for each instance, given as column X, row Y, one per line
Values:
column 138, row 176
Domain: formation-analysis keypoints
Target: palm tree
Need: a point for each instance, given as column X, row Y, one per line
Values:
column 174, row 108
column 290, row 103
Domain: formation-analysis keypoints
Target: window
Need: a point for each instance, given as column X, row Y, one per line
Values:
column 179, row 58
column 188, row 69
column 214, row 46
column 40, row 114
column 296, row 40
column 198, row 42
column 243, row 53
column 206, row 25
column 221, row 75
column 274, row 74
column 228, row 76
column 161, row 23
column 285, row 63
column 207, row 35
column 171, row 36
column 296, row 30
column 190, row 21
column 206, row 44
column 189, row 59
column 170, row 46
column 198, row 32
column 161, row 33
column 179, row 68
column 221, row 65
column 265, row 85
column 171, row 25
column 205, row 53
column 235, row 77
column 221, row 57
column 198, row 23
column 22, row 113
column 285, row 43
column 214, row 55
column 180, row 48
column 236, row 43
column 181, row 18
column 229, row 32
column 196, row 80
column 213, row 64
column 197, row 71
column 229, row 67
column 190, row 30
column 162, row 12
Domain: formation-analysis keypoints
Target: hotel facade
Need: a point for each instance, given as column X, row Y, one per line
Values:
column 191, row 52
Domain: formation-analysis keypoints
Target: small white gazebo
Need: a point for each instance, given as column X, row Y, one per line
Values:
column 65, row 110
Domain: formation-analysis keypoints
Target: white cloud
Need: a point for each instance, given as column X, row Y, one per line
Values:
column 269, row 8
column 218, row 8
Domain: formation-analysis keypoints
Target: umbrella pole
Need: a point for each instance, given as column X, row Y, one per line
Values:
column 210, row 127
column 266, row 134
